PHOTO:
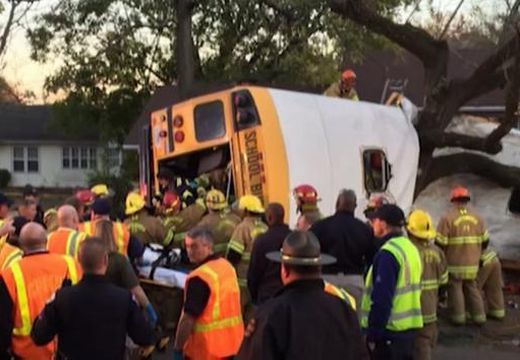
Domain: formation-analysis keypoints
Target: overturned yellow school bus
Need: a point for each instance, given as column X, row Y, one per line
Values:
column 264, row 141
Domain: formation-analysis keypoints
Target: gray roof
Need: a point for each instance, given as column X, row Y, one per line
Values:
column 21, row 123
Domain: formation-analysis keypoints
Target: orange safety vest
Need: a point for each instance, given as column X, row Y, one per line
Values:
column 31, row 282
column 120, row 233
column 8, row 255
column 219, row 330
column 65, row 241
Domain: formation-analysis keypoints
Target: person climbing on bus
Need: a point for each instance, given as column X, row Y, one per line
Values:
column 344, row 88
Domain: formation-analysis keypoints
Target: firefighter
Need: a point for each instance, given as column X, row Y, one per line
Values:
column 66, row 239
column 344, row 88
column 100, row 191
column 50, row 219
column 177, row 221
column 140, row 223
column 490, row 282
column 421, row 232
column 306, row 197
column 81, row 201
column 219, row 220
column 241, row 243
column 462, row 235
column 374, row 203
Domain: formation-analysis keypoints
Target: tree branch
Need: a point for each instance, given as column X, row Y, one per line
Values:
column 8, row 26
column 415, row 40
column 481, row 165
column 443, row 139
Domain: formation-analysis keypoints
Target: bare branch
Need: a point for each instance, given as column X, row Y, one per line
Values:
column 447, row 26
column 443, row 139
column 8, row 26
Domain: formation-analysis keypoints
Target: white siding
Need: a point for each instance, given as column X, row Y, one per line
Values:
column 51, row 172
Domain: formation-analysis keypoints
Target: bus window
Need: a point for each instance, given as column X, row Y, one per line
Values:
column 244, row 110
column 209, row 121
column 377, row 170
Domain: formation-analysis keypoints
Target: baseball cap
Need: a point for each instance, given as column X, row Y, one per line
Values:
column 4, row 200
column 391, row 214
column 101, row 206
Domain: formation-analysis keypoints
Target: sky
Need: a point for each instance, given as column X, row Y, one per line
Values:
column 26, row 74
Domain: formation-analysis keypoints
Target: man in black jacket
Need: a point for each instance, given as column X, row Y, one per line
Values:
column 92, row 319
column 263, row 277
column 307, row 319
column 350, row 241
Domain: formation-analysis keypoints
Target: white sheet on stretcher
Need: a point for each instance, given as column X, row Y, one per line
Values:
column 162, row 275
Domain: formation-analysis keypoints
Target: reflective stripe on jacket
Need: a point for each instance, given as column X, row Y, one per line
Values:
column 120, row 233
column 219, row 330
column 406, row 304
column 342, row 294
column 31, row 282
column 65, row 241
column 8, row 255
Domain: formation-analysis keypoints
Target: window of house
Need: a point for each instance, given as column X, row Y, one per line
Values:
column 18, row 159
column 74, row 157
column 25, row 159
column 209, row 121
column 377, row 170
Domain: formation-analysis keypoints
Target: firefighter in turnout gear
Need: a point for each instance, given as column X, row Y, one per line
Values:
column 177, row 221
column 219, row 220
column 462, row 235
column 147, row 228
column 421, row 232
column 490, row 283
column 241, row 243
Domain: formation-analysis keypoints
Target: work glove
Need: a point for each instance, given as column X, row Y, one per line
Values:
column 152, row 316
column 177, row 355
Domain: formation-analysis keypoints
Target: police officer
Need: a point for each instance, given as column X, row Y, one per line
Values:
column 140, row 223
column 219, row 220
column 391, row 303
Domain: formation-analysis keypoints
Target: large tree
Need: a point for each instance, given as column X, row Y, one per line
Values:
column 114, row 53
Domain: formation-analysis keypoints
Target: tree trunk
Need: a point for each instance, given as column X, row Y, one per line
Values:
column 184, row 47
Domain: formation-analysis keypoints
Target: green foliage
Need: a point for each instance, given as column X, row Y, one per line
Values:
column 116, row 52
column 5, row 178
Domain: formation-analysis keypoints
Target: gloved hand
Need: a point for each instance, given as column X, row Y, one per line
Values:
column 152, row 316
column 177, row 355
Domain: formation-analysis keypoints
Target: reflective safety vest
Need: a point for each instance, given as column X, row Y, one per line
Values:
column 342, row 294
column 120, row 233
column 219, row 330
column 31, row 283
column 8, row 255
column 406, row 305
column 65, row 241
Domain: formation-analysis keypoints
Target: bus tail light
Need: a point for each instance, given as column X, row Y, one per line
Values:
column 179, row 136
column 178, row 121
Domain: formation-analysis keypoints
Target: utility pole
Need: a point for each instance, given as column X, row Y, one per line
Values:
column 184, row 47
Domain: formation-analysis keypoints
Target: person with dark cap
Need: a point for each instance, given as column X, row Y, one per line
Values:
column 30, row 195
column 263, row 276
column 308, row 318
column 391, row 306
column 350, row 241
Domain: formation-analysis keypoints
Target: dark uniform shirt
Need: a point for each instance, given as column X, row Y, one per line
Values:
column 120, row 271
column 92, row 320
column 304, row 322
column 349, row 240
column 263, row 277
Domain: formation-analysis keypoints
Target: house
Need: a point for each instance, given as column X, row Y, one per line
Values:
column 36, row 153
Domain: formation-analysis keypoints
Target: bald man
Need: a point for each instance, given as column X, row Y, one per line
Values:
column 25, row 287
column 96, row 307
column 66, row 239
column 350, row 241
column 263, row 277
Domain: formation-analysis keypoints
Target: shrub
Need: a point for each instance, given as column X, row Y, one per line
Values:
column 5, row 178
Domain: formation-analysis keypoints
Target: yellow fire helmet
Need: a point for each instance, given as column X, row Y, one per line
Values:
column 100, row 190
column 134, row 203
column 420, row 225
column 216, row 200
column 251, row 203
